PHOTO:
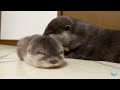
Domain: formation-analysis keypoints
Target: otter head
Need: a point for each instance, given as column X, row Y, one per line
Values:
column 45, row 52
column 69, row 31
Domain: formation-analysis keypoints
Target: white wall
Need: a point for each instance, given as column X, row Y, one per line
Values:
column 17, row 24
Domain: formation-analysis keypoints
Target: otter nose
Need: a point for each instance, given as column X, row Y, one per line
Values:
column 53, row 61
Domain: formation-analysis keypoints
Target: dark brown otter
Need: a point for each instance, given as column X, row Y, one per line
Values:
column 84, row 40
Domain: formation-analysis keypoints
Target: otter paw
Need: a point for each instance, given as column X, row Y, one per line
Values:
column 66, row 49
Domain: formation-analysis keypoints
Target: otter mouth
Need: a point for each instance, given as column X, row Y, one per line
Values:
column 66, row 49
column 49, row 64
column 52, row 67
column 55, row 66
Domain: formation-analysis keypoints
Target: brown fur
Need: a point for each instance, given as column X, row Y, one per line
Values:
column 84, row 40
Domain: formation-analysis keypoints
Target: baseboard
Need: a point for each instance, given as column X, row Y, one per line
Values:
column 9, row 42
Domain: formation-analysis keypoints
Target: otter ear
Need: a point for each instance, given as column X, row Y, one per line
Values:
column 29, row 49
column 67, row 27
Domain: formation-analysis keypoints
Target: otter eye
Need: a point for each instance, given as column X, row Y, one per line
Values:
column 67, row 27
column 61, row 52
column 50, row 34
column 39, row 53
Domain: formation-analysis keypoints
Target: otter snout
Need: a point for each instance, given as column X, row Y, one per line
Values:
column 53, row 61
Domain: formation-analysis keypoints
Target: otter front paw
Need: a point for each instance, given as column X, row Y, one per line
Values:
column 66, row 49
column 86, row 58
column 68, row 56
column 73, row 55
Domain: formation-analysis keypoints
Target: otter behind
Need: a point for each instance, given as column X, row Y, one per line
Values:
column 84, row 40
column 40, row 51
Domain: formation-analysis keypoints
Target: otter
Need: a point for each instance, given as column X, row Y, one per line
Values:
column 84, row 40
column 40, row 51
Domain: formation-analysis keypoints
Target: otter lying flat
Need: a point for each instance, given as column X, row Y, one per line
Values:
column 40, row 51
column 84, row 40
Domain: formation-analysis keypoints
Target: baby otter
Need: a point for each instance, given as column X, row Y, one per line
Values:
column 40, row 51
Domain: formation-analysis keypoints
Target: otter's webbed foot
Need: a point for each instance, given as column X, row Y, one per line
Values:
column 73, row 55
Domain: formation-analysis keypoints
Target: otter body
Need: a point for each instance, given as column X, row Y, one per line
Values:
column 85, row 41
column 40, row 51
